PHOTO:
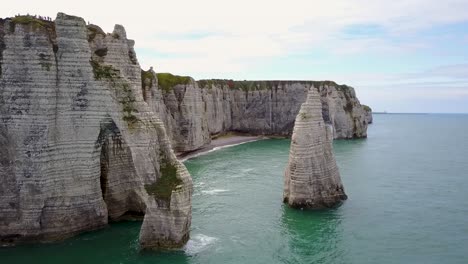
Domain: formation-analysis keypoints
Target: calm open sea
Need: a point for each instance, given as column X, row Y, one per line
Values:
column 408, row 203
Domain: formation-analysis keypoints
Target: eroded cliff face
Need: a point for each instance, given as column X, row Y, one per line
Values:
column 312, row 179
column 79, row 145
column 210, row 107
column 368, row 114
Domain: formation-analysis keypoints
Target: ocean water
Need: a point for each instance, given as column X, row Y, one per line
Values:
column 408, row 203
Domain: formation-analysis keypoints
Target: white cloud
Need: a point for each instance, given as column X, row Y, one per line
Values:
column 248, row 29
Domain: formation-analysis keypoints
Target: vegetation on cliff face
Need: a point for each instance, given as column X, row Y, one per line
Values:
column 127, row 100
column 163, row 187
column 167, row 81
column 104, row 71
column 124, row 92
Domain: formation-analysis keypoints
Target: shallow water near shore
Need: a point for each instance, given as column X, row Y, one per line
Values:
column 408, row 203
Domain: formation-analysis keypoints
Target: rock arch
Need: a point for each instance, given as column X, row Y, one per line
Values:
column 118, row 177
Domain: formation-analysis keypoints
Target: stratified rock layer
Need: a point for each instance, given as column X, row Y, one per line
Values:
column 312, row 179
column 194, row 111
column 79, row 145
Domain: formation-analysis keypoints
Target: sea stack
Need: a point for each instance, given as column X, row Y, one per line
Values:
column 312, row 179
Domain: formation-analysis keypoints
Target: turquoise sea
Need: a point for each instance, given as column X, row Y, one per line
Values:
column 408, row 203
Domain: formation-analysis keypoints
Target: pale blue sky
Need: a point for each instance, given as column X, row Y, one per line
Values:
column 401, row 56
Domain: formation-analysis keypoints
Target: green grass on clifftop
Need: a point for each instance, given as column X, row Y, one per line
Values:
column 30, row 20
column 167, row 81
column 262, row 85
column 339, row 87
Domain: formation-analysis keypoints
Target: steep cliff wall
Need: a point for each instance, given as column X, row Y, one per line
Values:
column 79, row 145
column 211, row 107
column 312, row 179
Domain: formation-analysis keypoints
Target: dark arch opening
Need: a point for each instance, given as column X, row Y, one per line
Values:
column 118, row 178
column 104, row 161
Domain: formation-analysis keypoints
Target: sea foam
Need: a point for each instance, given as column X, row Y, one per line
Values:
column 198, row 243
column 214, row 191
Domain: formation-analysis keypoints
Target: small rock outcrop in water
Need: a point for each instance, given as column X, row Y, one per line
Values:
column 312, row 179
column 78, row 144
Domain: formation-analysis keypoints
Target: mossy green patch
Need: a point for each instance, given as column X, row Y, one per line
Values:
column 104, row 71
column 263, row 85
column 127, row 100
column 30, row 20
column 125, row 94
column 209, row 83
column 250, row 85
column 239, row 85
column 163, row 187
column 205, row 84
column 340, row 87
column 167, row 81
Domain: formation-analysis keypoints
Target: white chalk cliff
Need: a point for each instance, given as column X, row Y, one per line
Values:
column 194, row 111
column 79, row 146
